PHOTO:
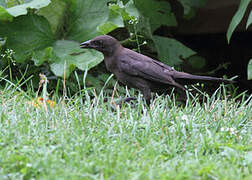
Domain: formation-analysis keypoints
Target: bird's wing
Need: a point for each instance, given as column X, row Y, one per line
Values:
column 136, row 64
column 140, row 65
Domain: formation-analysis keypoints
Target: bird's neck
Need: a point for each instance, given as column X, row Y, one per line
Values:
column 112, row 51
column 110, row 59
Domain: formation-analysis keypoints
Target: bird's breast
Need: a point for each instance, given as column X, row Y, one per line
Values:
column 110, row 64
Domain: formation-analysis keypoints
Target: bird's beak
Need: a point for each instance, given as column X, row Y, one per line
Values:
column 86, row 44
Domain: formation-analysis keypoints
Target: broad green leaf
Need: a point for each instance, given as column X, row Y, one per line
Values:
column 144, row 29
column 41, row 56
column 4, row 15
column 22, row 9
column 107, row 27
column 189, row 5
column 131, row 9
column 26, row 34
column 89, row 59
column 143, row 26
column 249, row 20
column 250, row 70
column 85, row 19
column 114, row 21
column 237, row 18
column 197, row 62
column 159, row 12
column 128, row 11
column 69, row 55
column 170, row 50
column 114, row 16
column 54, row 13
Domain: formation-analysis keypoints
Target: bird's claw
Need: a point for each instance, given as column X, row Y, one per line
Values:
column 127, row 99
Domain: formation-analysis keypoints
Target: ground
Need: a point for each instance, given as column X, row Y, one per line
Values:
column 77, row 139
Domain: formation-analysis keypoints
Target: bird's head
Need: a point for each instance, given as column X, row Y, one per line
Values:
column 105, row 44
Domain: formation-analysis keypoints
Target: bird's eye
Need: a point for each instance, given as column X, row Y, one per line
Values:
column 98, row 43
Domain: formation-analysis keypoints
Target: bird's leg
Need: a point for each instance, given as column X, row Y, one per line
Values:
column 183, row 96
column 147, row 95
column 124, row 100
column 182, row 91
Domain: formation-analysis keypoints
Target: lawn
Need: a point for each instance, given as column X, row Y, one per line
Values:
column 78, row 139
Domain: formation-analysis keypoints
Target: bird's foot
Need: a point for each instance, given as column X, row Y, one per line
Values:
column 127, row 99
column 121, row 102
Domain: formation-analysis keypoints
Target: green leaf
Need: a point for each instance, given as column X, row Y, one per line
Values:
column 4, row 15
column 89, row 59
column 237, row 18
column 22, row 9
column 114, row 21
column 69, row 55
column 159, row 12
column 114, row 16
column 85, row 18
column 189, row 5
column 143, row 26
column 250, row 70
column 128, row 11
column 26, row 34
column 41, row 56
column 107, row 27
column 197, row 62
column 131, row 10
column 249, row 20
column 54, row 13
column 170, row 50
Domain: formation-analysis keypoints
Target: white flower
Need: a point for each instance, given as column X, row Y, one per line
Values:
column 232, row 131
column 184, row 117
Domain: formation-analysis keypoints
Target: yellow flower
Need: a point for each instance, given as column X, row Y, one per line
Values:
column 39, row 102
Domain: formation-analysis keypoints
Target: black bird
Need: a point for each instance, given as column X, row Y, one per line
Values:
column 139, row 71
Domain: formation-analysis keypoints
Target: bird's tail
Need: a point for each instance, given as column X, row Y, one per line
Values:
column 186, row 76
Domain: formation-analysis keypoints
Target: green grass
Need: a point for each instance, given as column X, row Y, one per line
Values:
column 89, row 140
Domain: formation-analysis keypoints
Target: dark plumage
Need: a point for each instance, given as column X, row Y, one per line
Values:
column 139, row 71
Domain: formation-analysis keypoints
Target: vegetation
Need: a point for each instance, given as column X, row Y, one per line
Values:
column 70, row 128
column 47, row 33
column 76, row 139
column 234, row 23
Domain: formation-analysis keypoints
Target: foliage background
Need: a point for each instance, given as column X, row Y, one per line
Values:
column 89, row 139
column 45, row 34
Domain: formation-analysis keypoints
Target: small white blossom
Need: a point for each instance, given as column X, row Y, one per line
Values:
column 184, row 117
column 232, row 131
